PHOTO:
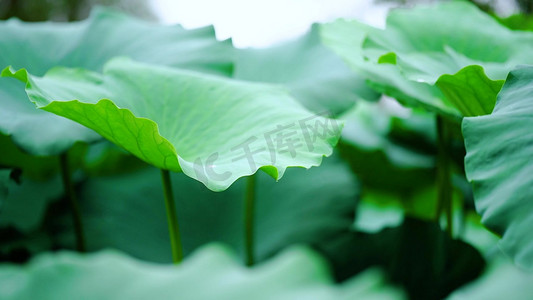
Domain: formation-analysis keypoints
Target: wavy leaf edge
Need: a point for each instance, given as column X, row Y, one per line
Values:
column 275, row 172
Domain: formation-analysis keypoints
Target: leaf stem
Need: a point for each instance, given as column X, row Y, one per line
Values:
column 73, row 201
column 172, row 218
column 444, row 184
column 249, row 203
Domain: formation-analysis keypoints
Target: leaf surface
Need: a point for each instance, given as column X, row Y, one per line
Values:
column 498, row 163
column 419, row 46
column 24, row 204
column 89, row 44
column 289, row 212
column 212, row 128
column 417, row 255
column 381, row 160
column 212, row 273
column 501, row 280
column 315, row 76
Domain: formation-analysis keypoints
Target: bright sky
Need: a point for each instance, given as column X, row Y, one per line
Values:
column 254, row 23
column 260, row 23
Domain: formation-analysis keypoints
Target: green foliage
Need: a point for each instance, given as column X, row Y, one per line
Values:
column 25, row 202
column 498, row 164
column 442, row 53
column 121, row 210
column 144, row 96
column 371, row 144
column 314, row 75
column 212, row 273
column 90, row 44
column 203, row 125
column 502, row 280
column 517, row 22
column 470, row 83
column 401, row 250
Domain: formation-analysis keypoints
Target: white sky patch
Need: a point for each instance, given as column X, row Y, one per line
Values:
column 260, row 23
column 256, row 23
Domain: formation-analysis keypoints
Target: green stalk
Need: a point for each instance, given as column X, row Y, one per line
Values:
column 249, row 204
column 172, row 219
column 73, row 201
column 444, row 183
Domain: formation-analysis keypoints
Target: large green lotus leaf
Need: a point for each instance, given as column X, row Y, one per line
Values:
column 213, row 129
column 498, row 163
column 307, row 206
column 316, row 77
column 212, row 273
column 89, row 44
column 450, row 57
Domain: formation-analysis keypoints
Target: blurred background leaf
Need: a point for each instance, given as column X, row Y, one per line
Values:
column 315, row 76
column 417, row 254
column 211, row 273
column 125, row 212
